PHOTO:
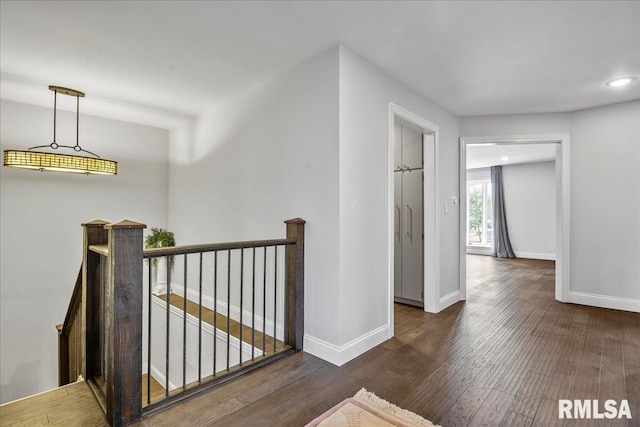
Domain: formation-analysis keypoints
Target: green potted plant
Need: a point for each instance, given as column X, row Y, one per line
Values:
column 160, row 238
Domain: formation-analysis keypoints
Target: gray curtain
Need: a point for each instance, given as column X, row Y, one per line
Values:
column 501, row 246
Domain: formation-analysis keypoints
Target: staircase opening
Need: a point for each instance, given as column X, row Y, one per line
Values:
column 225, row 309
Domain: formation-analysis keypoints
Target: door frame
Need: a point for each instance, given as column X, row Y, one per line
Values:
column 562, row 203
column 431, row 249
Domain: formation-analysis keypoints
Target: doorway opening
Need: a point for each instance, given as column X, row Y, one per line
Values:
column 527, row 159
column 405, row 219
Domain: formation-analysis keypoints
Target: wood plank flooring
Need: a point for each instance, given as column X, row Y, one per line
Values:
column 503, row 357
column 72, row 405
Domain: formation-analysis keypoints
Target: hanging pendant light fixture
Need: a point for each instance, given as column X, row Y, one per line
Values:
column 56, row 162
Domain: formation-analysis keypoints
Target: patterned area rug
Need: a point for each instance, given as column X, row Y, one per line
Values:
column 367, row 409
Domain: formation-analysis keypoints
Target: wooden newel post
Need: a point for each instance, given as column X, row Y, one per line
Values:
column 294, row 282
column 123, row 323
column 94, row 234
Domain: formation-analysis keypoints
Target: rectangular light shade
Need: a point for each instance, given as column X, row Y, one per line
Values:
column 59, row 162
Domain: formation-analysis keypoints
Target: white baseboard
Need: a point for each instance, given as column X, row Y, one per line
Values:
column 159, row 376
column 536, row 255
column 473, row 250
column 339, row 355
column 449, row 300
column 604, row 301
column 234, row 312
column 528, row 255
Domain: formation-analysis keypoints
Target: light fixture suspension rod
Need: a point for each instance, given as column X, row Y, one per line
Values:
column 77, row 147
column 55, row 103
column 54, row 144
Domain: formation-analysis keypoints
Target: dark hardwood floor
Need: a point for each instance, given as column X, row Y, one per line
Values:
column 503, row 357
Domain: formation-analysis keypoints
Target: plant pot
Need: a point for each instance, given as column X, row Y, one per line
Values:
column 160, row 286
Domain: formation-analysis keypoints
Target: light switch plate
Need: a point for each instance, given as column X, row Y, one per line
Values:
column 454, row 200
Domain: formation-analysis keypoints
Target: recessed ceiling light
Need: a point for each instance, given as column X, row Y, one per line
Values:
column 505, row 158
column 619, row 82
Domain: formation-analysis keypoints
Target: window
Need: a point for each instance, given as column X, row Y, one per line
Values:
column 479, row 213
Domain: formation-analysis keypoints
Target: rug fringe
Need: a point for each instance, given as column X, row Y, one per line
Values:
column 381, row 404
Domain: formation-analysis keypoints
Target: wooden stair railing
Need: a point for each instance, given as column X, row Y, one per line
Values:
column 114, row 320
column 70, row 338
column 283, row 309
column 101, row 337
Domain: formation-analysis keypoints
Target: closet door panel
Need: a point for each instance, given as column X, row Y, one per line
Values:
column 412, row 236
column 397, row 234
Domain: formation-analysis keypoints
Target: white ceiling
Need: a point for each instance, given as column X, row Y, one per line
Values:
column 485, row 155
column 156, row 62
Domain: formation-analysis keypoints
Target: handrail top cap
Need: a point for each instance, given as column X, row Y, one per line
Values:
column 96, row 223
column 125, row 223
column 295, row 221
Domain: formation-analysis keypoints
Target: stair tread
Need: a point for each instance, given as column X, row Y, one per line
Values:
column 221, row 324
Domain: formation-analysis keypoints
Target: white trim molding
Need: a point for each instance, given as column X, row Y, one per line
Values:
column 339, row 355
column 159, row 376
column 563, row 226
column 604, row 301
column 478, row 250
column 448, row 300
column 536, row 255
column 482, row 250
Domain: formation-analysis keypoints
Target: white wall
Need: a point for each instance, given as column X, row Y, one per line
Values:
column 365, row 93
column 268, row 155
column 605, row 201
column 515, row 124
column 605, row 195
column 40, row 232
column 478, row 174
column 530, row 202
column 311, row 142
